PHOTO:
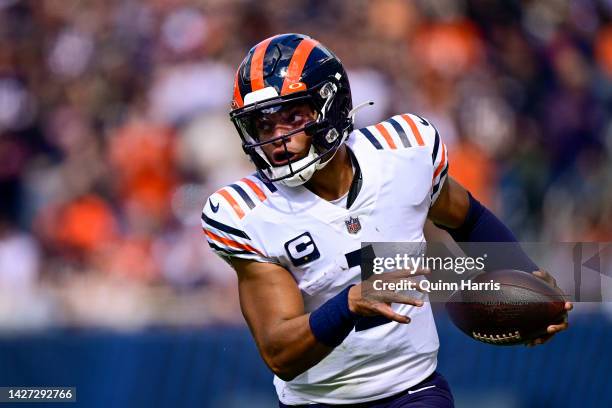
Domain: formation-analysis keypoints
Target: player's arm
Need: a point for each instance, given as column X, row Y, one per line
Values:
column 454, row 209
column 272, row 305
column 467, row 220
column 290, row 340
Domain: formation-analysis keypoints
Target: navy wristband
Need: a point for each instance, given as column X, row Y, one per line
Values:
column 332, row 322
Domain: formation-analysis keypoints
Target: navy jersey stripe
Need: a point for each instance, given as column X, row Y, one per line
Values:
column 400, row 131
column 368, row 322
column 434, row 154
column 423, row 121
column 353, row 258
column 442, row 175
column 268, row 184
column 229, row 251
column 225, row 228
column 243, row 194
column 371, row 138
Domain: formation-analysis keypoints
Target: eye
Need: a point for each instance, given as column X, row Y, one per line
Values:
column 263, row 125
column 296, row 117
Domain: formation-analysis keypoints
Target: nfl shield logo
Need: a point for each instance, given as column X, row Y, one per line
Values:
column 353, row 225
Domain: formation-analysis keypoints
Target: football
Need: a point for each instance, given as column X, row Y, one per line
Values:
column 515, row 308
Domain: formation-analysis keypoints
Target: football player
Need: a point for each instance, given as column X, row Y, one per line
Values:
column 293, row 232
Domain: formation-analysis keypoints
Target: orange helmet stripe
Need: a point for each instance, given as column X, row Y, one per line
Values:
column 296, row 65
column 257, row 79
column 239, row 212
column 238, row 102
column 415, row 130
column 383, row 131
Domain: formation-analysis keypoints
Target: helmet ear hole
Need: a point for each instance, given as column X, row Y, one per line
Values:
column 328, row 90
column 332, row 135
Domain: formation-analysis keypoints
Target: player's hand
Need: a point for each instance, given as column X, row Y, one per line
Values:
column 365, row 300
column 553, row 328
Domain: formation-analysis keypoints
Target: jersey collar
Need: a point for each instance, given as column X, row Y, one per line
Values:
column 365, row 189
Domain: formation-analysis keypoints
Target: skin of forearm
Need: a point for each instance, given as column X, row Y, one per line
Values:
column 290, row 348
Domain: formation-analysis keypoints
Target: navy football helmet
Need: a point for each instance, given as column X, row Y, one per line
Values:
column 284, row 70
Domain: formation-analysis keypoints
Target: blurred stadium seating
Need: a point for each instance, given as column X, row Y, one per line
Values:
column 114, row 128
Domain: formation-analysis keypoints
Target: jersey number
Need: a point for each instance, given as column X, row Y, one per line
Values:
column 354, row 259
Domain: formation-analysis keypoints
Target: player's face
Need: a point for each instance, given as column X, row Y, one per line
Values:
column 276, row 124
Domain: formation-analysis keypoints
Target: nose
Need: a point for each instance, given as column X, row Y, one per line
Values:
column 279, row 131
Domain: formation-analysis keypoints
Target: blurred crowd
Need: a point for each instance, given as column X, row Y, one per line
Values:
column 114, row 128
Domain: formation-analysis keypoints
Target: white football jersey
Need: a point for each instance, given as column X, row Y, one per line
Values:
column 403, row 164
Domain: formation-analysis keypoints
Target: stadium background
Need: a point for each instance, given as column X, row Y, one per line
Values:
column 114, row 128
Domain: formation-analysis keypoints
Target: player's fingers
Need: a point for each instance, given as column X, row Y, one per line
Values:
column 420, row 272
column 539, row 340
column 569, row 306
column 419, row 288
column 409, row 283
column 385, row 310
column 539, row 274
column 388, row 277
column 556, row 328
column 396, row 297
column 546, row 277
column 545, row 338
column 406, row 273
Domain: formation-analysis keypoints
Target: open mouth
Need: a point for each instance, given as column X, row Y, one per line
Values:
column 282, row 157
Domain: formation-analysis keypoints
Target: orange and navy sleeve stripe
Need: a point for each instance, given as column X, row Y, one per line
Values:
column 408, row 131
column 227, row 240
column 440, row 173
column 269, row 185
column 398, row 132
column 228, row 245
column 244, row 195
column 423, row 133
column 222, row 219
column 439, row 157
